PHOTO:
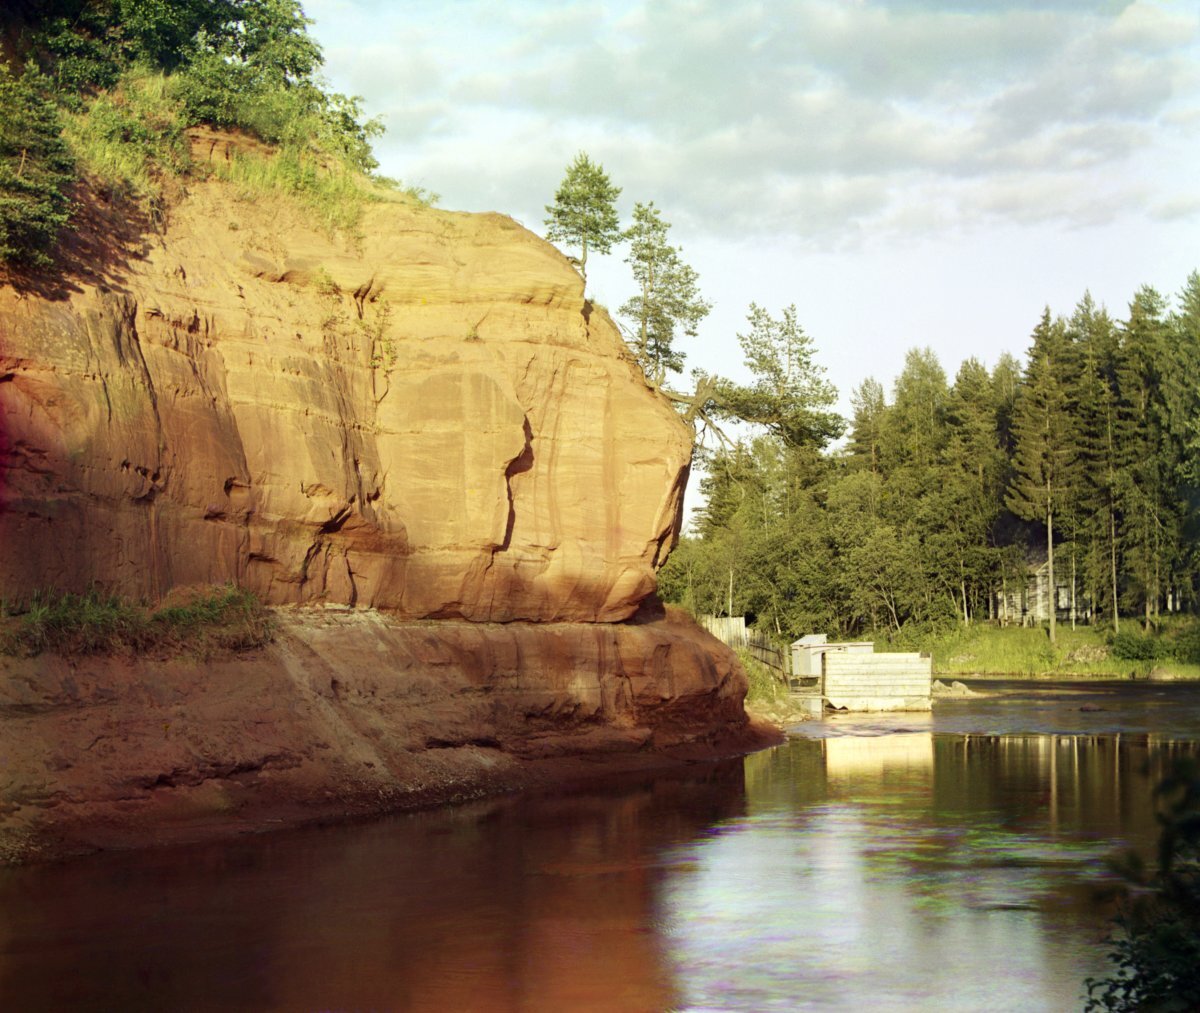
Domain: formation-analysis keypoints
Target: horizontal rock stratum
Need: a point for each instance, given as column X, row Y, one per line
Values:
column 427, row 417
column 349, row 712
column 420, row 442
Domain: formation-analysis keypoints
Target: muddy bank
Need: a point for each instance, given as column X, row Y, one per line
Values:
column 348, row 713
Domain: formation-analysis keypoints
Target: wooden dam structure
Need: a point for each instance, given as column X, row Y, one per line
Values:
column 855, row 677
column 845, row 676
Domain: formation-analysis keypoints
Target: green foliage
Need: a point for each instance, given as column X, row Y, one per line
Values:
column 764, row 688
column 933, row 513
column 227, row 618
column 668, row 301
column 1156, row 953
column 333, row 193
column 790, row 396
column 1046, row 456
column 218, row 89
column 1186, row 644
column 130, row 138
column 134, row 74
column 36, row 168
column 584, row 212
column 1139, row 647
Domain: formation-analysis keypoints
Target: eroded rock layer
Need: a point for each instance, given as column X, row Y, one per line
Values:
column 348, row 712
column 426, row 417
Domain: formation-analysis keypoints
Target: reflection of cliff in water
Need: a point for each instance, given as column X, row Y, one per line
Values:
column 530, row 903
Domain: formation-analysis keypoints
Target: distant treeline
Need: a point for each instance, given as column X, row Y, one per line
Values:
column 947, row 494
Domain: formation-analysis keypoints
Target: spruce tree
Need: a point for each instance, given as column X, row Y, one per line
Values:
column 1104, row 453
column 867, row 424
column 1046, row 455
column 1147, row 489
column 36, row 168
column 974, row 475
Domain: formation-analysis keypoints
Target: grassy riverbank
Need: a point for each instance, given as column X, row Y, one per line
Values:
column 1081, row 653
column 768, row 698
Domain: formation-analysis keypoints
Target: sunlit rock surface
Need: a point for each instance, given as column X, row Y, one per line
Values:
column 425, row 416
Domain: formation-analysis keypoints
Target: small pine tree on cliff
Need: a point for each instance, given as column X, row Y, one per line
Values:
column 584, row 212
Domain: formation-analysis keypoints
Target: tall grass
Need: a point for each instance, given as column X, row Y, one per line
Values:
column 765, row 689
column 203, row 622
column 333, row 193
column 131, row 138
column 1083, row 651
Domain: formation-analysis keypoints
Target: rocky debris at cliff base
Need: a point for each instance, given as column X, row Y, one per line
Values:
column 782, row 712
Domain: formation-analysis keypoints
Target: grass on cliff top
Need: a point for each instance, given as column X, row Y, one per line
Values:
column 133, row 140
column 199, row 622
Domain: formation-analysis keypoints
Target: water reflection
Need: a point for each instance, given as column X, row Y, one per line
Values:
column 524, row 904
column 912, row 869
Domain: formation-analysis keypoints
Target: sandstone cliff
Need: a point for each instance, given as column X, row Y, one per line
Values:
column 426, row 418
column 348, row 712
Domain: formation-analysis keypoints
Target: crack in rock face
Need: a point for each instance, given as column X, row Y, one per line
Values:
column 432, row 421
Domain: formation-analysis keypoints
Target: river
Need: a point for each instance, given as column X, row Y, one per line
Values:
column 944, row 861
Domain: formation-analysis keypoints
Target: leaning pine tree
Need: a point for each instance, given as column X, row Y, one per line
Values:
column 584, row 212
column 1046, row 455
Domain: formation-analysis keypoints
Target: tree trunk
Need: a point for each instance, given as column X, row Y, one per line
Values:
column 1112, row 544
column 1073, row 587
column 1050, row 570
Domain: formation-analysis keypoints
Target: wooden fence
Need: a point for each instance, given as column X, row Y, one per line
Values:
column 732, row 630
column 729, row 630
column 769, row 654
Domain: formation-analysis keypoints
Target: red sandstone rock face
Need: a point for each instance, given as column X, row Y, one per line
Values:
column 347, row 712
column 428, row 418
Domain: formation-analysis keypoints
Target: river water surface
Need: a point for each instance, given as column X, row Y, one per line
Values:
column 944, row 861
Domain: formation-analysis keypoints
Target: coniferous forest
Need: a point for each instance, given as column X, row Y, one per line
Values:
column 949, row 491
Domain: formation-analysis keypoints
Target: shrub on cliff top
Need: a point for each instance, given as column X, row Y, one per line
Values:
column 133, row 75
column 201, row 622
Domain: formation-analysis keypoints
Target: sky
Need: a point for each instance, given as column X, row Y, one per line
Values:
column 908, row 174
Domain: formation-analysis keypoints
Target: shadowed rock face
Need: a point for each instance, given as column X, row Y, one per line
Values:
column 427, row 418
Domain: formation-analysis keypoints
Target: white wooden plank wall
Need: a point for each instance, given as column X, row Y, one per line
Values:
column 879, row 681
